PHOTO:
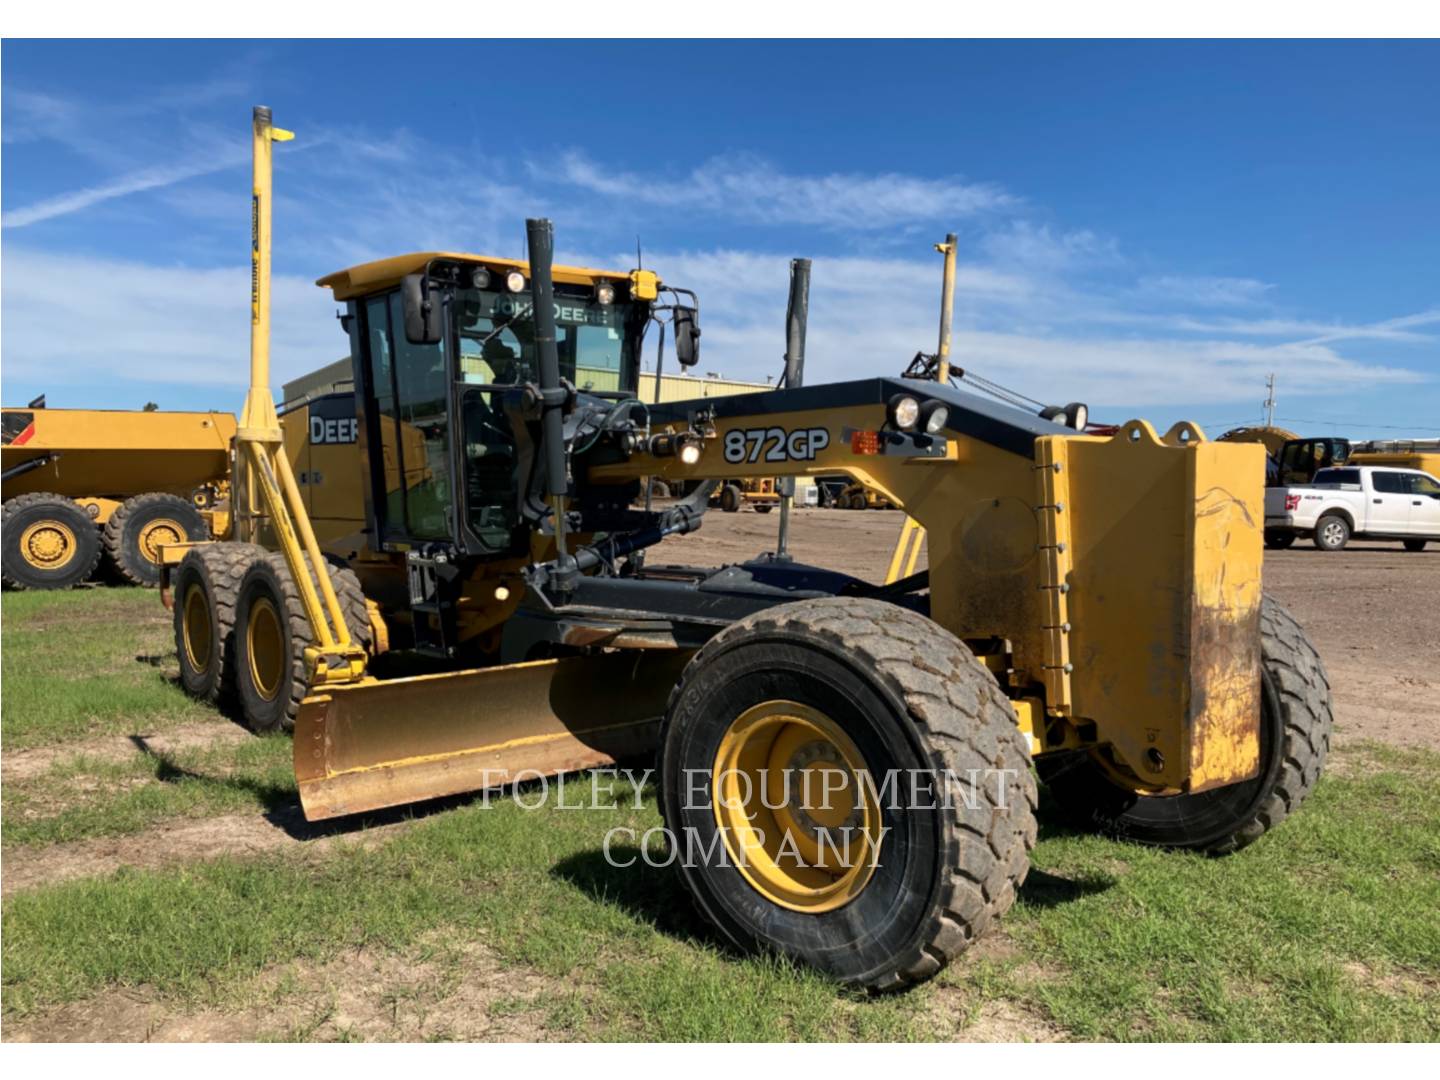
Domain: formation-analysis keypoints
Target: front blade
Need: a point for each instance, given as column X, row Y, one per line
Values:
column 381, row 743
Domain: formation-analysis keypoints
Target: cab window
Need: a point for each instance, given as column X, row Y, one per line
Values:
column 1389, row 483
column 423, row 424
column 382, row 384
column 1421, row 484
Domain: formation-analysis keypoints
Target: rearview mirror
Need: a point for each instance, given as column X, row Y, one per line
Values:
column 687, row 336
column 422, row 311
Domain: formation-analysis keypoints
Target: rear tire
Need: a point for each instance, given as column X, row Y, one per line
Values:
column 271, row 635
column 1415, row 545
column 136, row 530
column 1279, row 539
column 1332, row 533
column 764, row 508
column 730, row 498
column 46, row 542
column 1295, row 724
column 206, row 588
column 945, row 868
column 856, row 502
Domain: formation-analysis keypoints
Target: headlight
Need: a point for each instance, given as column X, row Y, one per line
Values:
column 515, row 281
column 605, row 293
column 690, row 453
column 480, row 279
column 904, row 412
column 936, row 416
column 1077, row 414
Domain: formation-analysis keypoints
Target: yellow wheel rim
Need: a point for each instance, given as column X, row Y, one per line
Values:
column 197, row 633
column 156, row 534
column 265, row 641
column 796, row 807
column 47, row 545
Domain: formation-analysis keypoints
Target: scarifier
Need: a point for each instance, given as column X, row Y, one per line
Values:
column 1092, row 606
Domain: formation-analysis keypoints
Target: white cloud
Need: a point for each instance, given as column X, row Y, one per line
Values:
column 870, row 316
column 1205, row 291
column 750, row 189
column 1400, row 329
column 143, row 180
column 1041, row 248
column 83, row 322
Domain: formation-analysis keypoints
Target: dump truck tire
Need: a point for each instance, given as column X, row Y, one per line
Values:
column 1295, row 724
column 1279, row 539
column 730, row 498
column 878, row 690
column 1332, row 533
column 1415, row 545
column 49, row 542
column 856, row 502
column 764, row 508
column 271, row 635
column 206, row 588
column 141, row 525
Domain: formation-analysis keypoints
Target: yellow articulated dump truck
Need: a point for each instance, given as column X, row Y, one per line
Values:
column 847, row 771
column 82, row 484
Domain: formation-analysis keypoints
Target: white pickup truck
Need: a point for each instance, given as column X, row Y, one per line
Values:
column 1365, row 501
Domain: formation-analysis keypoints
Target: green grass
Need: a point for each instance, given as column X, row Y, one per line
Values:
column 1326, row 929
column 88, row 662
column 82, row 796
column 1323, row 930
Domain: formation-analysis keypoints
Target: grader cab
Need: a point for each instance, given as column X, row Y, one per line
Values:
column 845, row 768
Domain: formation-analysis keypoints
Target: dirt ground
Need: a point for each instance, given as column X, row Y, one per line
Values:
column 1373, row 610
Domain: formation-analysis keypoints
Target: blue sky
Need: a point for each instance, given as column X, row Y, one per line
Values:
column 1152, row 228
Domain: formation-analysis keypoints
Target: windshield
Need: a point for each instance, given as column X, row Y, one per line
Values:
column 596, row 342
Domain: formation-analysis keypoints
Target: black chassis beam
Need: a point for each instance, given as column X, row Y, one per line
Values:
column 669, row 607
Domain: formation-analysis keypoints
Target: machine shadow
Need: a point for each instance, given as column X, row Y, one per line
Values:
column 280, row 805
column 653, row 896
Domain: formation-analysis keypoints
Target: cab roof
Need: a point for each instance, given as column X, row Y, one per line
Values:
column 382, row 274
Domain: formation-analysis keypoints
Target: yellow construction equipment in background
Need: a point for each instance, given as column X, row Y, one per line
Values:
column 82, row 484
column 844, row 767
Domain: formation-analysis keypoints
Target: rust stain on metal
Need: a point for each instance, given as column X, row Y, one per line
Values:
column 1224, row 714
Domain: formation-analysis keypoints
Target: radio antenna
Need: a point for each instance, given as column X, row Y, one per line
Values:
column 639, row 262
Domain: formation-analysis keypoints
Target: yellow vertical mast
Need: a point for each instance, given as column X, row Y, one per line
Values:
column 261, row 452
column 947, row 306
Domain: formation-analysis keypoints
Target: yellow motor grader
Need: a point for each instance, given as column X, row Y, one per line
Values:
column 845, row 769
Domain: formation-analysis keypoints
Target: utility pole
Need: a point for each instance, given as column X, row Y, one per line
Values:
column 1270, row 400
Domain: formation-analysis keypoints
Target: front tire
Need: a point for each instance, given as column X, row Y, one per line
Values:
column 1415, row 545
column 49, row 542
column 206, row 587
column 730, row 499
column 272, row 633
column 835, row 686
column 1332, row 533
column 1295, row 724
column 141, row 526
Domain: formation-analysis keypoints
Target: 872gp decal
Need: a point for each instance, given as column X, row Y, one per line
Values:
column 753, row 445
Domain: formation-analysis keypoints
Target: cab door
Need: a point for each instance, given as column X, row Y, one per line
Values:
column 1388, row 512
column 1424, row 505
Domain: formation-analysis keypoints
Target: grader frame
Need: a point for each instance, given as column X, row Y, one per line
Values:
column 1092, row 603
